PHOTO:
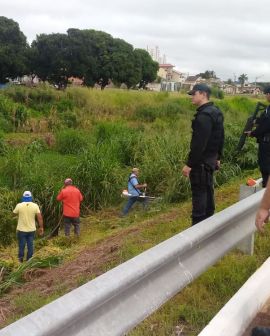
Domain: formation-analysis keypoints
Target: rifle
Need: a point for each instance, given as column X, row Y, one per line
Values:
column 249, row 125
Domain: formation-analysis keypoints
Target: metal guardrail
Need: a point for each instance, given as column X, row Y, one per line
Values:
column 118, row 300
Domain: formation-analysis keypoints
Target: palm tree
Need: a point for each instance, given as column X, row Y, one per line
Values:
column 242, row 78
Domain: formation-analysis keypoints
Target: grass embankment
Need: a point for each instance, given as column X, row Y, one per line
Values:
column 111, row 241
column 95, row 138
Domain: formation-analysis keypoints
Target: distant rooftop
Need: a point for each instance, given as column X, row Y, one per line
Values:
column 166, row 65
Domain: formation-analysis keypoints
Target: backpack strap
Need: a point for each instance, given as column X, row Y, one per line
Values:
column 133, row 186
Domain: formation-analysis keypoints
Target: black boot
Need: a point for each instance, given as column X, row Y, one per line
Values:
column 260, row 331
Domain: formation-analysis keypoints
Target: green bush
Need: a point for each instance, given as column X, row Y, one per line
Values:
column 121, row 139
column 70, row 141
column 64, row 105
column 8, row 223
column 20, row 116
column 247, row 157
column 36, row 146
column 147, row 113
column 3, row 146
column 160, row 159
column 69, row 119
column 6, row 113
column 217, row 93
column 16, row 165
column 99, row 177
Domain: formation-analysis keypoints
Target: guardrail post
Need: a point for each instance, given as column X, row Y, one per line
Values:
column 247, row 244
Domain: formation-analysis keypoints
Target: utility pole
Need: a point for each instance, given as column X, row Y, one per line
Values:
column 256, row 80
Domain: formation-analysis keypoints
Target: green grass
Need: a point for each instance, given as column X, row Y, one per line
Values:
column 113, row 130
column 197, row 303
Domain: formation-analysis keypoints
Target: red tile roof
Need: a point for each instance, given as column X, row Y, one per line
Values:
column 166, row 65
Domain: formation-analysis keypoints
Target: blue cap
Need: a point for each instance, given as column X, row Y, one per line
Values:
column 200, row 87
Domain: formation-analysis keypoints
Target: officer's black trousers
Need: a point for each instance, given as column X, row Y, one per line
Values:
column 264, row 161
column 202, row 188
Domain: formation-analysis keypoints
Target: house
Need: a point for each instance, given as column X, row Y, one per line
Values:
column 165, row 71
column 75, row 81
column 170, row 79
column 29, row 80
column 191, row 81
column 230, row 88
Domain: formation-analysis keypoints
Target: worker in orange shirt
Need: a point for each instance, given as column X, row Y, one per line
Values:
column 71, row 198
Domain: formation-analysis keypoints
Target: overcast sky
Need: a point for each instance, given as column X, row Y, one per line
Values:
column 230, row 37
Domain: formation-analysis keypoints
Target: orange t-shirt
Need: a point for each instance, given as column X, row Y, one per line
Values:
column 71, row 198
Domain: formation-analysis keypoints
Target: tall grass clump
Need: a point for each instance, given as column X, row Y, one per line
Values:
column 217, row 93
column 8, row 223
column 46, row 179
column 99, row 176
column 15, row 166
column 121, row 138
column 33, row 97
column 70, row 141
column 161, row 159
column 236, row 108
column 247, row 157
column 7, row 110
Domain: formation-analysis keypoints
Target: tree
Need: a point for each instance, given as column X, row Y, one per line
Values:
column 149, row 68
column 208, row 74
column 124, row 66
column 50, row 58
column 94, row 56
column 242, row 79
column 91, row 55
column 13, row 49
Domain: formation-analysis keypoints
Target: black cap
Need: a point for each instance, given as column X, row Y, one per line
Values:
column 200, row 87
column 266, row 90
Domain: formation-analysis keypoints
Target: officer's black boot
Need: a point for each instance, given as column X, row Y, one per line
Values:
column 260, row 331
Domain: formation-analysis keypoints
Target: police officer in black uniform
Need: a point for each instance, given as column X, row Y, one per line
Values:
column 205, row 151
column 262, row 134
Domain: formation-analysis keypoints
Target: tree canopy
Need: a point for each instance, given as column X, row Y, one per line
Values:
column 93, row 56
column 208, row 74
column 50, row 58
column 13, row 50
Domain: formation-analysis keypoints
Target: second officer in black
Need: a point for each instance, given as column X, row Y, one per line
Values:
column 205, row 151
column 262, row 134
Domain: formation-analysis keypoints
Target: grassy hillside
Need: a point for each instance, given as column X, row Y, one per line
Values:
column 95, row 137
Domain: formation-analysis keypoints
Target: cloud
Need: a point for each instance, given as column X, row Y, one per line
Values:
column 229, row 37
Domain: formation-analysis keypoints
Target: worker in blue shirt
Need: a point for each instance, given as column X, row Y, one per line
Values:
column 134, row 191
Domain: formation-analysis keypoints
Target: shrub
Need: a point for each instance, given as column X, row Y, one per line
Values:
column 36, row 146
column 147, row 113
column 247, row 158
column 6, row 112
column 98, row 176
column 3, row 146
column 70, row 141
column 217, row 93
column 160, row 159
column 69, row 119
column 121, row 139
column 20, row 116
column 16, row 165
column 8, row 223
